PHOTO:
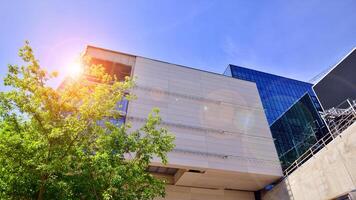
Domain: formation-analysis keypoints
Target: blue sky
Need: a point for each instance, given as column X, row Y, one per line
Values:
column 294, row 38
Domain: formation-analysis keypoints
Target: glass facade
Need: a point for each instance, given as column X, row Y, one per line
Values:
column 120, row 72
column 297, row 130
column 277, row 93
column 291, row 108
column 121, row 106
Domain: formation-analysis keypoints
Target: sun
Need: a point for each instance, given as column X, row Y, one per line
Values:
column 75, row 69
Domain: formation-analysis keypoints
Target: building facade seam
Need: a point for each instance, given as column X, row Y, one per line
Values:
column 200, row 129
column 227, row 156
column 195, row 98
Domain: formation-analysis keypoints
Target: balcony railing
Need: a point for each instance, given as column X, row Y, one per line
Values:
column 337, row 119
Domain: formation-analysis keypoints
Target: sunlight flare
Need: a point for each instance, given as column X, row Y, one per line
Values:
column 75, row 69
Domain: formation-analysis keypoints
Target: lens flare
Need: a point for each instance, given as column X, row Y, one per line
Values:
column 75, row 69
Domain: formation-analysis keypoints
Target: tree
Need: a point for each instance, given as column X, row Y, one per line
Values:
column 67, row 143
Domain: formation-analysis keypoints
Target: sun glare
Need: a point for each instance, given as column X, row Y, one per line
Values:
column 75, row 69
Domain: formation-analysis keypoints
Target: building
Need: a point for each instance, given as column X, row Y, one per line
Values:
column 292, row 110
column 301, row 126
column 297, row 129
column 327, row 169
column 224, row 147
column 340, row 81
column 277, row 93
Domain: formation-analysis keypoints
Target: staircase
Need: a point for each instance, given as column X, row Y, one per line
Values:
column 337, row 119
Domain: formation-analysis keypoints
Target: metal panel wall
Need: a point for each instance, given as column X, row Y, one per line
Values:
column 339, row 84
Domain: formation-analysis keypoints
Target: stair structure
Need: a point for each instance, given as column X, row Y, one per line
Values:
column 337, row 119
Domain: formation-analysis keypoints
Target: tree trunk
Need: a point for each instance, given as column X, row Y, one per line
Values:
column 42, row 188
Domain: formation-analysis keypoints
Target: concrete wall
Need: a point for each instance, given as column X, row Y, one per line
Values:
column 190, row 193
column 218, row 121
column 330, row 173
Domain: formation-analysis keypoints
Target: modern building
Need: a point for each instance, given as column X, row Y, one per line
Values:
column 297, row 129
column 301, row 126
column 231, row 130
column 224, row 147
column 340, row 81
column 327, row 170
column 277, row 93
column 292, row 110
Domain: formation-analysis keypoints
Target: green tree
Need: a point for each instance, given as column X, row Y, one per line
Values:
column 66, row 143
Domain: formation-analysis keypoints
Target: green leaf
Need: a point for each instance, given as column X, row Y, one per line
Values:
column 54, row 144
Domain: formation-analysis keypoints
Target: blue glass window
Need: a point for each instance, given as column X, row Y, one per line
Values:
column 277, row 93
column 291, row 107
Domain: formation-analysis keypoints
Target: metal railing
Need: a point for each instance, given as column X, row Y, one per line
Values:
column 337, row 123
column 299, row 140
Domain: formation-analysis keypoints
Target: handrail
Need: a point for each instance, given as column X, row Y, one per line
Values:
column 298, row 162
column 335, row 130
column 309, row 125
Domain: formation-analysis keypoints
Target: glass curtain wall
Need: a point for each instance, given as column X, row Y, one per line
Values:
column 297, row 130
column 277, row 93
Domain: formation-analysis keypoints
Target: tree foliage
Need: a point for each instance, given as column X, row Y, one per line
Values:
column 66, row 143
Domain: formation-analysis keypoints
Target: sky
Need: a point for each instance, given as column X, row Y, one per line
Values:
column 295, row 38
